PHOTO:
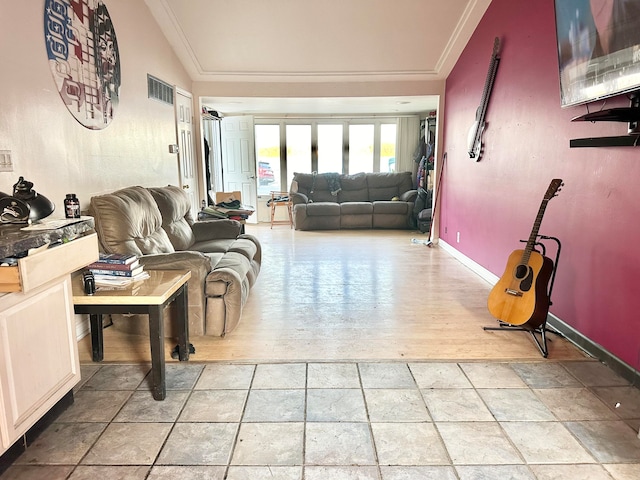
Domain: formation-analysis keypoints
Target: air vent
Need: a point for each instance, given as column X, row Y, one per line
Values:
column 159, row 90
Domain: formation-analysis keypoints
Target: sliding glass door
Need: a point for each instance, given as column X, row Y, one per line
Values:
column 330, row 148
column 361, row 142
column 267, row 141
column 286, row 146
column 298, row 148
column 388, row 133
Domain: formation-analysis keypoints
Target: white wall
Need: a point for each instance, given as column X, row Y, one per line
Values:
column 48, row 146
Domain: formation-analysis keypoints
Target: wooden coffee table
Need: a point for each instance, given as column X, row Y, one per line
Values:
column 148, row 297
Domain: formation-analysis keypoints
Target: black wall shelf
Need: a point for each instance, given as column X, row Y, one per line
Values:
column 623, row 114
column 630, row 115
column 622, row 141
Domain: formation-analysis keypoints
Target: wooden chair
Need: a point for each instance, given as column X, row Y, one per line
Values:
column 281, row 199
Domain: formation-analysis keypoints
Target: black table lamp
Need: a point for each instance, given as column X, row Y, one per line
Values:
column 25, row 205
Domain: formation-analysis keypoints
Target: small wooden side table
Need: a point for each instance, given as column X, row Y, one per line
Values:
column 148, row 297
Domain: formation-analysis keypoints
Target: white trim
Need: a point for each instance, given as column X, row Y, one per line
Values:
column 185, row 93
column 580, row 340
column 82, row 326
column 467, row 262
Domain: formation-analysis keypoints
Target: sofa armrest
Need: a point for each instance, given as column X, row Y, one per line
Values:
column 198, row 263
column 258, row 256
column 216, row 229
column 409, row 196
column 298, row 198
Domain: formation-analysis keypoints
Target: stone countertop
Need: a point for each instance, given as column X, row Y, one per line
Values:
column 16, row 242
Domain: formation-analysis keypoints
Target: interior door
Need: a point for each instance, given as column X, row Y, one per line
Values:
column 186, row 156
column 238, row 159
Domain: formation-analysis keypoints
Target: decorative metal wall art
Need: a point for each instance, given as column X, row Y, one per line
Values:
column 84, row 60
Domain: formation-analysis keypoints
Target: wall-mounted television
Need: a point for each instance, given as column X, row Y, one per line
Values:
column 598, row 49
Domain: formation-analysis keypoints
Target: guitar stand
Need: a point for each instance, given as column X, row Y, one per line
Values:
column 541, row 332
column 538, row 334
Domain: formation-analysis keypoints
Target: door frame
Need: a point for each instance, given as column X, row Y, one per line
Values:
column 245, row 170
column 196, row 160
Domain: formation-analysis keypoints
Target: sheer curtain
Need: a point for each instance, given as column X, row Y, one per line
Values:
column 408, row 138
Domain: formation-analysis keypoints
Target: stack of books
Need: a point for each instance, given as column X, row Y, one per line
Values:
column 114, row 269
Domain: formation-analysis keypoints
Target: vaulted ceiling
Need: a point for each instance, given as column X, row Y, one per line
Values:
column 319, row 41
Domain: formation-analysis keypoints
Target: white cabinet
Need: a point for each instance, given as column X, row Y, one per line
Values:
column 38, row 349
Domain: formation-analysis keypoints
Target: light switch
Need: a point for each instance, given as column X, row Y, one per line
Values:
column 6, row 164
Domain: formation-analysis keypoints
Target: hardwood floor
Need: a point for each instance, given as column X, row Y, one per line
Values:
column 354, row 295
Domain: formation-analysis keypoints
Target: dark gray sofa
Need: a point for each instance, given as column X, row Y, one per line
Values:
column 363, row 200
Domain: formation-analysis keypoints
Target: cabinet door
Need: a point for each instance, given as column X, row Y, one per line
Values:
column 38, row 355
column 3, row 446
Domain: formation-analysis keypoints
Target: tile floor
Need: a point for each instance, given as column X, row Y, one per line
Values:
column 344, row 421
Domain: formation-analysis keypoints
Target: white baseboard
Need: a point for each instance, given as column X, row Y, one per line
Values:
column 82, row 326
column 466, row 261
column 578, row 339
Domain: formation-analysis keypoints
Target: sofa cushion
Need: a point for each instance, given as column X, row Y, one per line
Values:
column 212, row 229
column 323, row 196
column 356, row 208
column 356, row 221
column 129, row 221
column 323, row 209
column 385, row 186
column 229, row 271
column 385, row 207
column 175, row 208
column 302, row 183
column 393, row 221
column 244, row 246
column 303, row 221
column 354, row 188
column 215, row 245
column 315, row 187
column 214, row 258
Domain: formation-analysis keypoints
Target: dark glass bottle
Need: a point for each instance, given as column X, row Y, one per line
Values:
column 71, row 206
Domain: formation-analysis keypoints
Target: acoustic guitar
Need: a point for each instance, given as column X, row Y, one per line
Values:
column 520, row 297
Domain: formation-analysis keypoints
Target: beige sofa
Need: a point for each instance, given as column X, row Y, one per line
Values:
column 156, row 224
column 363, row 200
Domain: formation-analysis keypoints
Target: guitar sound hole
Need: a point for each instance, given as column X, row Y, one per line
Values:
column 524, row 274
column 521, row 272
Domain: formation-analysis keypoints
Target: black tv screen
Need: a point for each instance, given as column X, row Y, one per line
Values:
column 598, row 48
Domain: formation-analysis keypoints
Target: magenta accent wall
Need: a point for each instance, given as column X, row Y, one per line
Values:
column 493, row 203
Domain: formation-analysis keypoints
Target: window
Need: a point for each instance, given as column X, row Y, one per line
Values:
column 360, row 148
column 325, row 145
column 267, row 141
column 330, row 148
column 298, row 150
column 388, row 147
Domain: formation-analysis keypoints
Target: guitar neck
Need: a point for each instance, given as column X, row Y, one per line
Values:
column 534, row 233
column 488, row 84
column 554, row 187
column 484, row 101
